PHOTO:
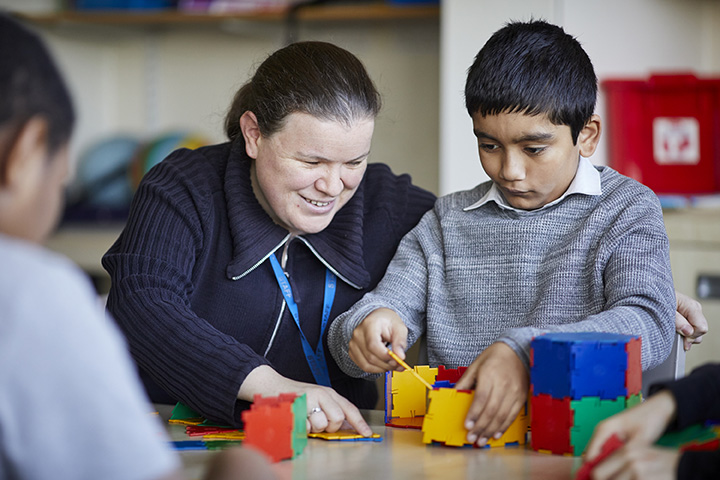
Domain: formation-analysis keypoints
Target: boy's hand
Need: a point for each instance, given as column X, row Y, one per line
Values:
column 368, row 346
column 501, row 384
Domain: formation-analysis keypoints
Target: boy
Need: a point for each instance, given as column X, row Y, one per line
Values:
column 71, row 405
column 551, row 243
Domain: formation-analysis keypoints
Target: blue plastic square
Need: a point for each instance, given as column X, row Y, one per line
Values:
column 579, row 364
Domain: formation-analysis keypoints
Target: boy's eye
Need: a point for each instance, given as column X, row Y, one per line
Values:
column 535, row 150
column 488, row 147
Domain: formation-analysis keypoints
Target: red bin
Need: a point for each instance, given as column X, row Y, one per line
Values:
column 665, row 132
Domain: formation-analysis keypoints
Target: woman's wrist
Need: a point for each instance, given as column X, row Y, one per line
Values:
column 263, row 380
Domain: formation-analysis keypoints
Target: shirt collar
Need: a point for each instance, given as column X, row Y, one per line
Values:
column 255, row 236
column 586, row 182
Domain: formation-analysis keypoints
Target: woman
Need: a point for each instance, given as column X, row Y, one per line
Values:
column 289, row 204
column 237, row 256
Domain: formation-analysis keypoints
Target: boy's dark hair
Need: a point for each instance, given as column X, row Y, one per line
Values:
column 317, row 78
column 533, row 68
column 30, row 84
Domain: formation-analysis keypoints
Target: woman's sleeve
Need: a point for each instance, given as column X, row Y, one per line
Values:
column 151, row 267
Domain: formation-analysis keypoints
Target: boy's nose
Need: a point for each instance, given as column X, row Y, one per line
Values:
column 512, row 169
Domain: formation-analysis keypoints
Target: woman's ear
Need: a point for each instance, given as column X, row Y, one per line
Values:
column 25, row 151
column 251, row 133
column 590, row 136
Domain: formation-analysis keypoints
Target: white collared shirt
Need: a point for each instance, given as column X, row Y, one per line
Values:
column 586, row 182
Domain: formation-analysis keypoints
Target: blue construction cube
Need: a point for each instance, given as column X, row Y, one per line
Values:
column 581, row 364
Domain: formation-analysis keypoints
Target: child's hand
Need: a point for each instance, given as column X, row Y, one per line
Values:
column 639, row 463
column 368, row 348
column 639, row 426
column 501, row 384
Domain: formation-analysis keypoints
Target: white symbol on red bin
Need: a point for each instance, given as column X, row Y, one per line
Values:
column 676, row 140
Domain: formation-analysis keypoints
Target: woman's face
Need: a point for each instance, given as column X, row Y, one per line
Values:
column 307, row 171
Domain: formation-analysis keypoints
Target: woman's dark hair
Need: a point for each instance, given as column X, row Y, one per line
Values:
column 30, row 84
column 316, row 78
column 533, row 68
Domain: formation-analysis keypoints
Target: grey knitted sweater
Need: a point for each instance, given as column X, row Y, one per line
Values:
column 470, row 278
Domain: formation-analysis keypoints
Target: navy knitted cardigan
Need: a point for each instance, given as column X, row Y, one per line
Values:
column 195, row 295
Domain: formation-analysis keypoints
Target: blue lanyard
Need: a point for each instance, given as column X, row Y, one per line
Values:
column 316, row 359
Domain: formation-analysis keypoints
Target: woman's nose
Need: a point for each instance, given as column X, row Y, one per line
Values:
column 330, row 183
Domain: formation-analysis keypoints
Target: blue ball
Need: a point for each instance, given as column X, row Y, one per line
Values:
column 103, row 173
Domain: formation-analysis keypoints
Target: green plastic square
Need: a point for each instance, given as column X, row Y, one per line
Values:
column 299, row 434
column 588, row 412
column 634, row 400
column 693, row 434
column 183, row 412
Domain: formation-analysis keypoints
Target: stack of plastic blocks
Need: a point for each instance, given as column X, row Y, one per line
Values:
column 445, row 419
column 276, row 425
column 577, row 380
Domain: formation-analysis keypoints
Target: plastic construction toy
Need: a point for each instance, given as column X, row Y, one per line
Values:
column 695, row 437
column 406, row 397
column 577, row 380
column 451, row 375
column 346, row 436
column 444, row 421
column 184, row 415
column 204, row 444
column 276, row 425
column 611, row 444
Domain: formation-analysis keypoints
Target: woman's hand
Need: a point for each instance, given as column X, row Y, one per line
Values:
column 368, row 349
column 501, row 385
column 689, row 320
column 328, row 411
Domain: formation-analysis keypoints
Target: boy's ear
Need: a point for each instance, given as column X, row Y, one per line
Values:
column 251, row 132
column 24, row 150
column 589, row 136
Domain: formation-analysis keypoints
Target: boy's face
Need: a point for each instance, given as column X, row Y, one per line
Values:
column 32, row 194
column 49, row 199
column 531, row 160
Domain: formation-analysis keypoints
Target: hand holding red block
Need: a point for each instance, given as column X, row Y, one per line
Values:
column 610, row 445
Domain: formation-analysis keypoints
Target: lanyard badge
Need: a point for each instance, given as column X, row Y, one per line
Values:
column 315, row 359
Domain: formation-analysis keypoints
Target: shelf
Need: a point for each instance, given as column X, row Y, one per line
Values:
column 345, row 12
